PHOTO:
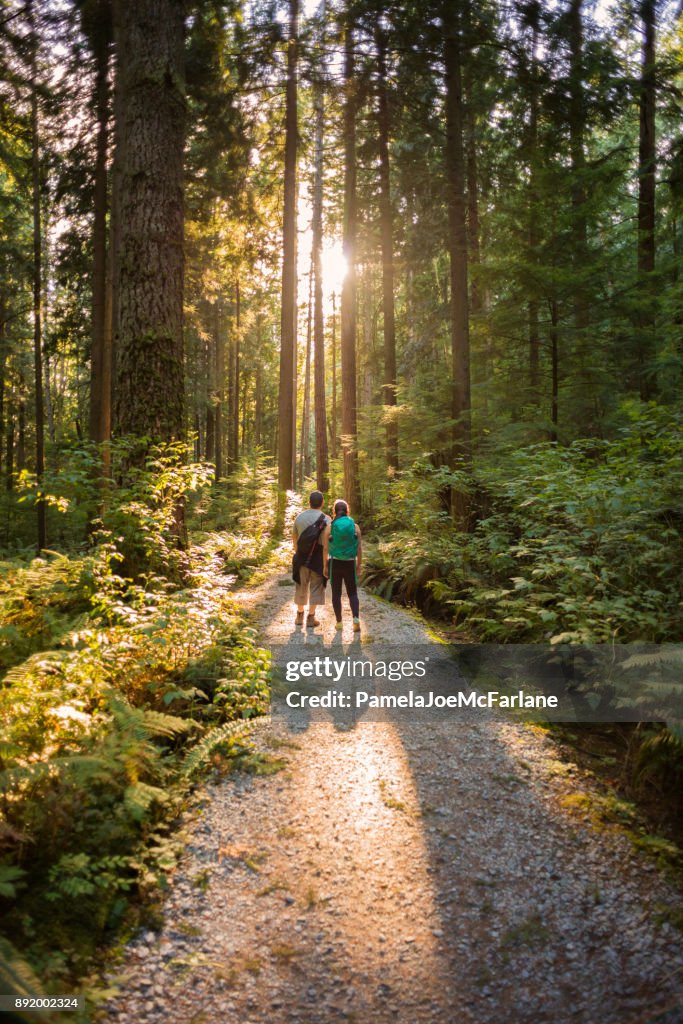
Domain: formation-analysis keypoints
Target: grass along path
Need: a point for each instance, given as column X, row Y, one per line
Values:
column 422, row 873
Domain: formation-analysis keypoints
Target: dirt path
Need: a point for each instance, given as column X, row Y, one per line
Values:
column 395, row 873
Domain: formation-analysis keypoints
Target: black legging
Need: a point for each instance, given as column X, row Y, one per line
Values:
column 344, row 569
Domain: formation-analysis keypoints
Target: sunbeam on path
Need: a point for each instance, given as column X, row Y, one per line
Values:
column 393, row 871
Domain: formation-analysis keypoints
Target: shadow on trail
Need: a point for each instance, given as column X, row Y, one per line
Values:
column 475, row 897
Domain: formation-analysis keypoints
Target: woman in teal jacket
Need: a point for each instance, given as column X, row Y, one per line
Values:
column 342, row 561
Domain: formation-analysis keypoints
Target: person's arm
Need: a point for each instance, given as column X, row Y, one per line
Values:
column 359, row 552
column 294, row 536
column 326, row 547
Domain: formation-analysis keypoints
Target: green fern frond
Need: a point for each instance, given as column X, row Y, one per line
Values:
column 139, row 797
column 220, row 739
column 661, row 753
column 157, row 723
column 16, row 975
column 669, row 655
column 10, row 874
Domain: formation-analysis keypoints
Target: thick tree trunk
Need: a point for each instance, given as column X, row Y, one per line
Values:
column 387, row 238
column 647, row 164
column 457, row 232
column 149, row 263
column 287, row 397
column 37, row 287
column 321, row 452
column 100, row 352
column 348, row 297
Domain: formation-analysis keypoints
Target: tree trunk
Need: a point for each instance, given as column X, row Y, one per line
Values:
column 9, row 450
column 100, row 352
column 219, row 351
column 149, row 265
column 533, row 304
column 387, row 238
column 333, row 425
column 457, row 232
column 305, row 453
column 37, row 285
column 348, row 296
column 49, row 409
column 3, row 373
column 555, row 369
column 287, row 397
column 321, row 453
column 258, row 384
column 236, row 372
column 647, row 164
column 577, row 130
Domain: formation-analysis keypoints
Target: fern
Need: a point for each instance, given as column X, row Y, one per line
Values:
column 221, row 739
column 16, row 976
column 10, row 874
column 661, row 754
column 157, row 723
column 139, row 798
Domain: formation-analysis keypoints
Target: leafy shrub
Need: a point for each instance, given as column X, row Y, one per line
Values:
column 96, row 732
column 581, row 544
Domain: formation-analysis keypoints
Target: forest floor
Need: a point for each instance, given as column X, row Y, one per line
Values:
column 396, row 871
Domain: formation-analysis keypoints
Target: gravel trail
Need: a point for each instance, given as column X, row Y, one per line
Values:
column 411, row 873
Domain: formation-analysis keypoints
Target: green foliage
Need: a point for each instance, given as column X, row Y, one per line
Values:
column 218, row 743
column 142, row 684
column 580, row 543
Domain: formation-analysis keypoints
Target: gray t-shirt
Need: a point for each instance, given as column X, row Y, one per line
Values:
column 307, row 518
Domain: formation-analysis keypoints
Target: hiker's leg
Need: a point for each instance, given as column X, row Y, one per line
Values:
column 317, row 595
column 301, row 593
column 352, row 588
column 336, row 577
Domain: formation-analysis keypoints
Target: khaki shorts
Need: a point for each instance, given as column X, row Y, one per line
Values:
column 315, row 582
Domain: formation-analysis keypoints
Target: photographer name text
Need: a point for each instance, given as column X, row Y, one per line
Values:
column 429, row 699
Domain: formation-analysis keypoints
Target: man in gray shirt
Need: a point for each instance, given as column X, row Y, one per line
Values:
column 311, row 588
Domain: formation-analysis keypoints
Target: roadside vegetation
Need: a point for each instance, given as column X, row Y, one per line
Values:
column 128, row 673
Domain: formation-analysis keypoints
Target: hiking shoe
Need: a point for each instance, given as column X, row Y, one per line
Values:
column 356, row 625
column 312, row 621
column 299, row 620
column 339, row 625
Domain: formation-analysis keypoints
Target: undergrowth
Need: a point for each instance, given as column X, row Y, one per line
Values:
column 575, row 545
column 119, row 690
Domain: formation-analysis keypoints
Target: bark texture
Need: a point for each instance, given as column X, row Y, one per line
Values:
column 149, row 260
column 647, row 164
column 101, row 342
column 287, row 397
column 387, row 237
column 320, row 414
column 348, row 297
column 37, row 289
column 457, row 232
